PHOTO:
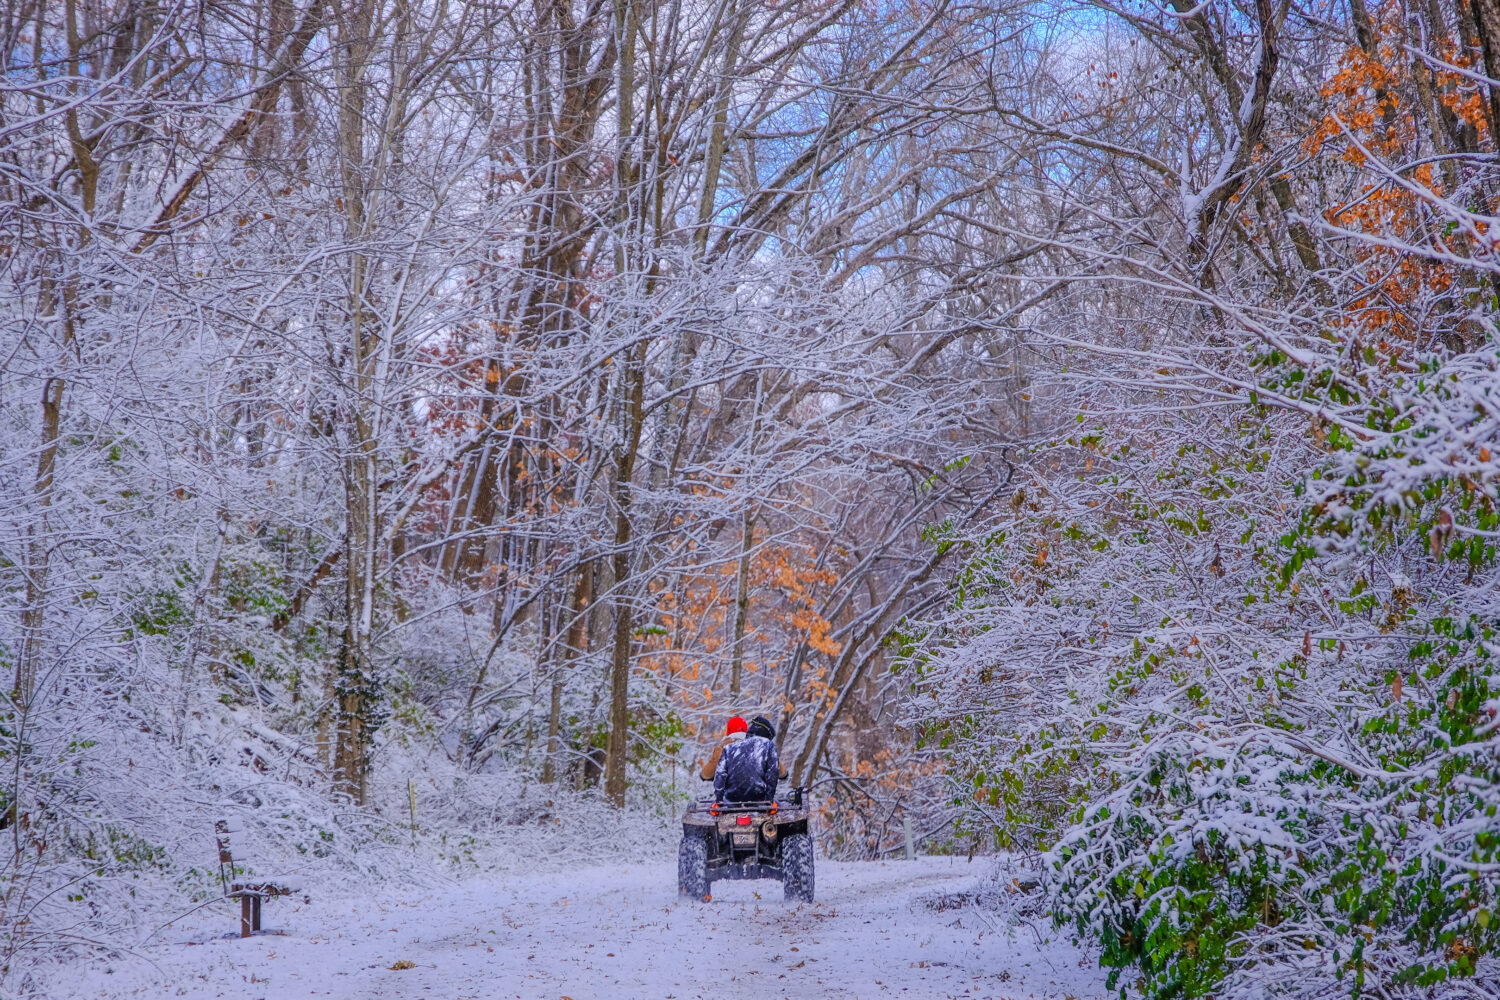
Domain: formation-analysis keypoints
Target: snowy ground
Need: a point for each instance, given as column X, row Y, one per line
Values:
column 878, row 929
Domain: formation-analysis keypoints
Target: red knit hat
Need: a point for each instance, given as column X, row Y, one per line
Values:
column 736, row 725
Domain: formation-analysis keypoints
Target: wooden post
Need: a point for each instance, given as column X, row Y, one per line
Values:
column 411, row 800
column 226, row 860
column 245, row 915
column 255, row 913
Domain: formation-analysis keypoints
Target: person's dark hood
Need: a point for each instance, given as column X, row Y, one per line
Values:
column 761, row 726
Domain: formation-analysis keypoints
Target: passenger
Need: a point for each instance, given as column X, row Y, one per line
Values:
column 734, row 732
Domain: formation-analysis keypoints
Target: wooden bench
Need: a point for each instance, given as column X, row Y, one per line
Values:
column 249, row 894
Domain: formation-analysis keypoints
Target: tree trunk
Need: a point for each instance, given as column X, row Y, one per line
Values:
column 39, row 544
column 573, row 643
column 33, row 613
column 357, row 686
column 742, row 598
column 619, row 673
column 633, row 377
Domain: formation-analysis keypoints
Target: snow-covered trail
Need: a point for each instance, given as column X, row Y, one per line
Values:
column 612, row 933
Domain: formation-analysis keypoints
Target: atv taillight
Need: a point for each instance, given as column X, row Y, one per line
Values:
column 743, row 820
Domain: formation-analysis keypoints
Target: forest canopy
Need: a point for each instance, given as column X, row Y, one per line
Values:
column 1074, row 423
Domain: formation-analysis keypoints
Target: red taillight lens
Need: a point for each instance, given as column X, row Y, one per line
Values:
column 743, row 820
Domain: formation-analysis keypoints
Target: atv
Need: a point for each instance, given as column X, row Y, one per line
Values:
column 740, row 840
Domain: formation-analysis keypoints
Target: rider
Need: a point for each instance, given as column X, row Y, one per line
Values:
column 749, row 768
column 733, row 732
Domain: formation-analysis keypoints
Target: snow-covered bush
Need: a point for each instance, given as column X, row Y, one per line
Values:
column 1247, row 695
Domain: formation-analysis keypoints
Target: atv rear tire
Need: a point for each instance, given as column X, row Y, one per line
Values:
column 692, row 867
column 797, row 868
